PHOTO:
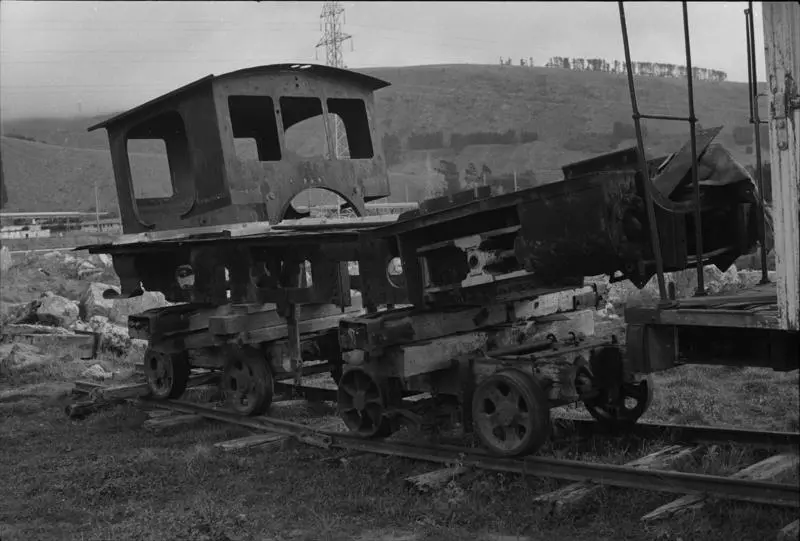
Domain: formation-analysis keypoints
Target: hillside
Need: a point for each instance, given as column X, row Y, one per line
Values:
column 45, row 177
column 571, row 116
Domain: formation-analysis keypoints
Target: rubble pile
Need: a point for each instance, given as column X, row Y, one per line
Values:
column 56, row 315
column 78, row 267
column 53, row 320
column 19, row 357
column 624, row 293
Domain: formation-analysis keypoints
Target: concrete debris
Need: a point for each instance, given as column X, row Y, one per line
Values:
column 715, row 281
column 749, row 278
column 92, row 302
column 55, row 341
column 97, row 372
column 71, row 266
column 14, row 357
column 6, row 262
column 57, row 311
column 113, row 338
column 122, row 308
column 87, row 270
column 105, row 260
column 17, row 312
column 608, row 312
column 33, row 328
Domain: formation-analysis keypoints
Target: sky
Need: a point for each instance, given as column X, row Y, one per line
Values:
column 87, row 58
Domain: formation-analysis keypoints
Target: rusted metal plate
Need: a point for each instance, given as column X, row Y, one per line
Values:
column 580, row 230
column 436, row 204
column 211, row 184
column 271, row 238
column 678, row 169
column 620, row 160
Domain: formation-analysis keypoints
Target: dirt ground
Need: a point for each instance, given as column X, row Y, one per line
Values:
column 108, row 478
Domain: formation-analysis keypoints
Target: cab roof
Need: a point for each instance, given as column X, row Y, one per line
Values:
column 370, row 83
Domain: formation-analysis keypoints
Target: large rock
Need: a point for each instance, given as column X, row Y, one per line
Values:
column 86, row 270
column 101, row 260
column 24, row 312
column 19, row 357
column 97, row 372
column 92, row 302
column 113, row 338
column 50, row 338
column 750, row 278
column 122, row 308
column 5, row 259
column 57, row 311
column 33, row 328
column 685, row 281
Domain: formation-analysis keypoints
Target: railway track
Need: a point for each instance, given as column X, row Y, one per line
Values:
column 759, row 483
column 694, row 434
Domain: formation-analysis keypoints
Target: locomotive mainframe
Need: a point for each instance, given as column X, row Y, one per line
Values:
column 503, row 276
column 477, row 298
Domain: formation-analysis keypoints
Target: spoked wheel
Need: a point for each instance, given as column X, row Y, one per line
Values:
column 511, row 413
column 621, row 406
column 362, row 404
column 166, row 373
column 247, row 382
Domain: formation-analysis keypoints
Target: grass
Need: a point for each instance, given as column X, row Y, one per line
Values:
column 108, row 478
column 721, row 396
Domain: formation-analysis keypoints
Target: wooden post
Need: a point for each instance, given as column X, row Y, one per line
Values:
column 782, row 44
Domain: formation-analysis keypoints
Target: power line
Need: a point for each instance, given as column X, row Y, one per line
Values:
column 331, row 21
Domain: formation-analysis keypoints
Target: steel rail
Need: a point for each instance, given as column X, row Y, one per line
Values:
column 585, row 427
column 691, row 434
column 777, row 494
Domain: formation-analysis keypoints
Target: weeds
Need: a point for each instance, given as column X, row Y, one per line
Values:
column 107, row 478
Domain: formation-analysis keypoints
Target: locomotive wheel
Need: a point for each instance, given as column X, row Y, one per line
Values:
column 511, row 413
column 166, row 374
column 362, row 403
column 248, row 383
column 621, row 406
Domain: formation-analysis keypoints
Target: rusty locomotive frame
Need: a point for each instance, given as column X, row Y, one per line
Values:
column 476, row 299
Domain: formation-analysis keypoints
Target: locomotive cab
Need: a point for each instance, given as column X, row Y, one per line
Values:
column 237, row 148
